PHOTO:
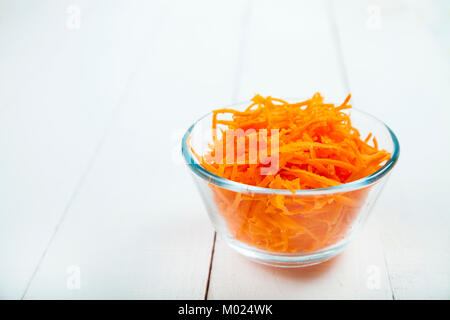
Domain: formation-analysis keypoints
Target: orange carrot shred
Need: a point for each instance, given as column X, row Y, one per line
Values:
column 317, row 148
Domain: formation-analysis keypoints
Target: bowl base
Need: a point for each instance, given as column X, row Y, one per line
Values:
column 284, row 260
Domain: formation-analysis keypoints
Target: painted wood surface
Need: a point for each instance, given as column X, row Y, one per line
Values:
column 397, row 55
column 92, row 112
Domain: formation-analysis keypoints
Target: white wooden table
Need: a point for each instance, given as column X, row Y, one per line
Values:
column 95, row 201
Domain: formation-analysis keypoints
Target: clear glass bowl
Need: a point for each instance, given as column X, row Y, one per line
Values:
column 344, row 208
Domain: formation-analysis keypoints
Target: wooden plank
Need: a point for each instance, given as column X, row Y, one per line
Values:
column 137, row 228
column 59, row 83
column 291, row 52
column 397, row 57
column 358, row 273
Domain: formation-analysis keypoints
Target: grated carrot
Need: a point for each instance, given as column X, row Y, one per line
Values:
column 318, row 148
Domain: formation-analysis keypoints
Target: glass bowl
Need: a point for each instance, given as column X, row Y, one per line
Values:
column 323, row 222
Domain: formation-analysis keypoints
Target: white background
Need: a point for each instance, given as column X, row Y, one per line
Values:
column 95, row 95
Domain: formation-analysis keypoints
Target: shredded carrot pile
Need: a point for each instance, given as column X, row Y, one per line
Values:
column 316, row 147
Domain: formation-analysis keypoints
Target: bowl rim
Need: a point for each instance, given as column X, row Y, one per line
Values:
column 194, row 165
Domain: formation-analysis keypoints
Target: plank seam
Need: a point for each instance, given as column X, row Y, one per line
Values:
column 241, row 53
column 337, row 44
column 64, row 214
column 210, row 266
column 388, row 273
